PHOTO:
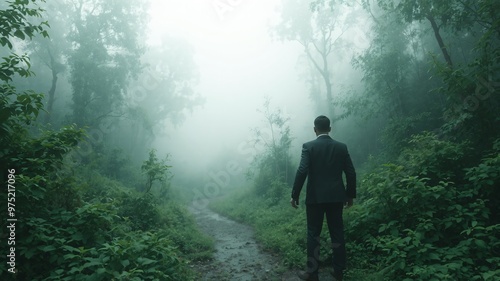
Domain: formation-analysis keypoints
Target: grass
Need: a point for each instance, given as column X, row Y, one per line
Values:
column 282, row 230
column 182, row 229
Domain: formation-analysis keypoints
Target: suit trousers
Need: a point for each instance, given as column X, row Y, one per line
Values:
column 315, row 214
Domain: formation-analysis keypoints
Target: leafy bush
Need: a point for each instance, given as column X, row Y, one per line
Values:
column 428, row 218
column 135, row 256
column 272, row 168
column 73, row 223
column 424, row 217
column 119, row 234
column 141, row 211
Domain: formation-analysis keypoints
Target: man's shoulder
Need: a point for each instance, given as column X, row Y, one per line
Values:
column 324, row 140
column 339, row 143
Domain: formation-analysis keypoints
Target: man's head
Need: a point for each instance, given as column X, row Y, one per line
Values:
column 322, row 125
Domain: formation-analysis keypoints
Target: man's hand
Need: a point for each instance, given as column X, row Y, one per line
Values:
column 349, row 203
column 294, row 203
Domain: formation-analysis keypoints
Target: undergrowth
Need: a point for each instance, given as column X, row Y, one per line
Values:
column 93, row 228
column 426, row 216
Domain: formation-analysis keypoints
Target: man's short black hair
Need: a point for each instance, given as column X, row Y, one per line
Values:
column 322, row 123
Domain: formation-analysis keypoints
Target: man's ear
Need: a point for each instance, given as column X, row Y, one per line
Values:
column 329, row 129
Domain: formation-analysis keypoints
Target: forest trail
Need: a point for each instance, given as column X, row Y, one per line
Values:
column 237, row 257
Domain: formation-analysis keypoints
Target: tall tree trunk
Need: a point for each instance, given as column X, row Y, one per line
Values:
column 328, row 86
column 439, row 39
column 329, row 98
column 52, row 89
column 325, row 74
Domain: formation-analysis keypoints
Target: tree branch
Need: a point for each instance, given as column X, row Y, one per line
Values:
column 440, row 40
column 314, row 61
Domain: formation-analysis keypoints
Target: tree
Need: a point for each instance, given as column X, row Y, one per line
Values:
column 17, row 109
column 162, row 95
column 172, row 94
column 272, row 169
column 155, row 170
column 106, row 36
column 319, row 28
column 469, row 87
column 406, row 82
column 30, row 161
column 51, row 52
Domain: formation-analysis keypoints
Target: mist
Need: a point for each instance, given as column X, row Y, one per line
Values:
column 240, row 66
column 204, row 140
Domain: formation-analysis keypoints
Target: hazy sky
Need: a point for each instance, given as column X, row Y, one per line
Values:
column 239, row 65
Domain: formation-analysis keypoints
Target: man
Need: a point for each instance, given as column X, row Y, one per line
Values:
column 323, row 161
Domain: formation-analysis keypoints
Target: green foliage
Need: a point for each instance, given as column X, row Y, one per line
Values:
column 155, row 170
column 136, row 256
column 105, row 54
column 433, row 158
column 141, row 211
column 116, row 164
column 15, row 24
column 282, row 230
column 399, row 130
column 96, row 229
column 271, row 170
column 16, row 108
column 35, row 158
column 184, row 234
column 74, row 223
column 429, row 217
column 71, row 246
column 285, row 238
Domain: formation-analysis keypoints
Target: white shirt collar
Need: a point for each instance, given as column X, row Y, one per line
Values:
column 322, row 135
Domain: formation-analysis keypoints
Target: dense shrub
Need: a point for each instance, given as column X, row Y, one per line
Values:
column 428, row 218
column 430, row 215
column 135, row 256
column 119, row 234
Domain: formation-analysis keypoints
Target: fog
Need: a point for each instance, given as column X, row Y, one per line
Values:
column 240, row 65
column 126, row 125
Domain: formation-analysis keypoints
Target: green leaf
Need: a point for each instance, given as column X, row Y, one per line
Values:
column 434, row 256
column 480, row 244
column 70, row 256
column 48, row 248
column 100, row 270
column 93, row 262
column 145, row 261
column 19, row 34
column 29, row 253
column 447, row 224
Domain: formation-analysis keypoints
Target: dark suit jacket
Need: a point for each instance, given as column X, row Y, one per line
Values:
column 323, row 161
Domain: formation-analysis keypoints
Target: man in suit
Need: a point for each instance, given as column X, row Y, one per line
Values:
column 323, row 161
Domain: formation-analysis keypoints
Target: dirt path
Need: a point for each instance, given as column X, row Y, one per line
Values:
column 238, row 256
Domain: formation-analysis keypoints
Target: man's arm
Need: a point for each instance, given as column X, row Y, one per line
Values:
column 301, row 175
column 350, row 174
